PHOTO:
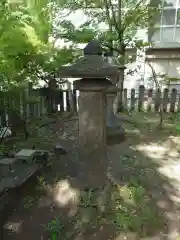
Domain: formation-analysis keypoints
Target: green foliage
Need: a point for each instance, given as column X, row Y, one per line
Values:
column 26, row 26
column 55, row 228
column 31, row 199
column 175, row 118
column 121, row 20
column 25, row 50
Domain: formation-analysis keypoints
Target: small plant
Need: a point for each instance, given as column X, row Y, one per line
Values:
column 133, row 211
column 87, row 199
column 55, row 228
column 41, row 183
column 28, row 202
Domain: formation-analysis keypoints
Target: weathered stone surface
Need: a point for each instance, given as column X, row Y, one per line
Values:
column 93, row 48
column 26, row 155
column 91, row 65
column 41, row 157
column 6, row 165
column 18, row 177
column 7, row 161
column 92, row 137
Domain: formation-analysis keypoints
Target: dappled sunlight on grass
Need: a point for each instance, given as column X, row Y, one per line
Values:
column 151, row 150
column 135, row 211
column 160, row 151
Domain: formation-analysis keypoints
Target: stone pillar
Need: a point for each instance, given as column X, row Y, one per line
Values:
column 92, row 134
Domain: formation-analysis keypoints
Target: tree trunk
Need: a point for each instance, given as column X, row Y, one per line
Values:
column 119, row 98
column 120, row 107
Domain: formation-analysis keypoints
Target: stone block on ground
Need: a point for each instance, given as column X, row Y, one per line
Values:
column 59, row 149
column 7, row 161
column 26, row 155
column 41, row 157
column 33, row 156
column 115, row 135
column 6, row 165
column 7, row 154
column 17, row 178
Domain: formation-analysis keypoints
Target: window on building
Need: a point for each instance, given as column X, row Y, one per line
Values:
column 178, row 17
column 154, row 36
column 168, row 17
column 170, row 3
column 177, row 35
column 167, row 34
column 168, row 22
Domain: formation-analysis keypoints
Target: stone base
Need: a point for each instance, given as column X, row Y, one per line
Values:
column 115, row 135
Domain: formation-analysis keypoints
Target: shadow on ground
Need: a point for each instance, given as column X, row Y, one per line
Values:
column 137, row 201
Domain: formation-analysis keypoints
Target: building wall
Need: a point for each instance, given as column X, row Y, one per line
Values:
column 164, row 56
column 166, row 64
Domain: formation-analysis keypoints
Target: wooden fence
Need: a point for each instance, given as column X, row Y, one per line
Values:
column 37, row 102
column 134, row 100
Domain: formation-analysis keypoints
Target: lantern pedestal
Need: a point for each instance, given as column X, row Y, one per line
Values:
column 92, row 132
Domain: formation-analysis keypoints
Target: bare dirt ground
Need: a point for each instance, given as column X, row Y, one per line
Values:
column 143, row 204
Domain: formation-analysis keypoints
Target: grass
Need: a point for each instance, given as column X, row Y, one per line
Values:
column 39, row 190
column 127, row 210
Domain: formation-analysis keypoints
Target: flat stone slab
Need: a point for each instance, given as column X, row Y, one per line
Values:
column 34, row 156
column 18, row 178
column 25, row 153
column 7, row 161
column 41, row 157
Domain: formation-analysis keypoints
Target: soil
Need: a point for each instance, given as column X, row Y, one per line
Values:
column 145, row 163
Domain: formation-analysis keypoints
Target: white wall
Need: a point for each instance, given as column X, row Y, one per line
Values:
column 163, row 63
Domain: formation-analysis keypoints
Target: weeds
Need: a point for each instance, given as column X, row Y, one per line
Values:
column 31, row 199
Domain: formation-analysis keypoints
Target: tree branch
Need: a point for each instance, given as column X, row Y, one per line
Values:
column 132, row 17
column 112, row 48
column 109, row 6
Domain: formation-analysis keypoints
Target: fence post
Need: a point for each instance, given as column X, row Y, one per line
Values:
column 141, row 98
column 61, row 96
column 67, row 101
column 70, row 97
column 43, row 111
column 133, row 99
column 3, row 112
column 173, row 100
column 165, row 99
column 21, row 105
column 149, row 101
column 120, row 93
column 125, row 101
column 178, row 106
column 75, row 99
column 157, row 99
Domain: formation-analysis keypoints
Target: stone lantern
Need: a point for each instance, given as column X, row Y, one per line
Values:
column 94, row 72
